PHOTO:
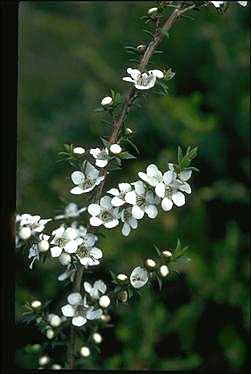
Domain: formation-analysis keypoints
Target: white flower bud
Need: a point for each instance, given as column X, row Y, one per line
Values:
column 97, row 338
column 65, row 258
column 105, row 317
column 43, row 360
column 151, row 263
column 79, row 150
column 85, row 351
column 50, row 334
column 36, row 348
column 43, row 246
column 129, row 131
column 56, row 367
column 152, row 11
column 54, row 320
column 106, row 100
column 104, row 301
column 164, row 270
column 115, row 148
column 122, row 277
column 36, row 304
column 167, row 253
column 25, row 233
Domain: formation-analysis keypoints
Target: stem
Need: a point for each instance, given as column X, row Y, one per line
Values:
column 116, row 128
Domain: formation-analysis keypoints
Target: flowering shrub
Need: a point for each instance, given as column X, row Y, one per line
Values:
column 64, row 238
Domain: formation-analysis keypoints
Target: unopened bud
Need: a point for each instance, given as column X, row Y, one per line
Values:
column 65, row 258
column 50, row 334
column 104, row 301
column 164, row 270
column 36, row 304
column 56, row 367
column 150, row 263
column 97, row 338
column 122, row 277
column 123, row 296
column 79, row 150
column 152, row 11
column 106, row 101
column 167, row 253
column 54, row 320
column 105, row 317
column 43, row 246
column 85, row 351
column 128, row 131
column 43, row 360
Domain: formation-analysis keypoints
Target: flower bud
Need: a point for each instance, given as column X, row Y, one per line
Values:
column 104, row 301
column 36, row 348
column 115, row 148
column 79, row 150
column 97, row 337
column 141, row 48
column 43, row 246
column 36, row 304
column 150, row 263
column 85, row 351
column 152, row 11
column 65, row 258
column 54, row 320
column 106, row 101
column 43, row 360
column 122, row 277
column 128, row 131
column 167, row 253
column 105, row 317
column 164, row 271
column 56, row 367
column 25, row 233
column 50, row 334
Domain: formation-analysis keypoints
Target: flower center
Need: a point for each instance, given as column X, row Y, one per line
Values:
column 87, row 183
column 168, row 191
column 60, row 242
column 102, row 155
column 140, row 201
column 144, row 79
column 81, row 310
column 83, row 251
column 106, row 215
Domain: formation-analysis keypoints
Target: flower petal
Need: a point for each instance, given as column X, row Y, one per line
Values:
column 96, row 253
column 91, row 171
column 160, row 190
column 116, row 201
column 56, row 251
column 137, row 212
column 185, row 188
column 139, row 187
column 125, row 187
column 130, row 197
column 94, row 209
column 151, row 211
column 95, row 221
column 158, row 73
column 168, row 177
column 111, row 224
column 113, row 191
column 101, row 163
column 105, row 202
column 185, row 175
column 71, row 246
column 74, row 298
column 76, row 191
column 166, row 204
column 79, row 321
column 77, row 177
column 68, row 310
column 178, row 198
column 126, row 229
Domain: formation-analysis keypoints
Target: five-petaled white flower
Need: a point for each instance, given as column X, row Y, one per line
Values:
column 79, row 310
column 119, row 194
column 143, row 201
column 153, row 176
column 35, row 223
column 101, row 156
column 170, row 189
column 87, row 254
column 86, row 180
column 66, row 239
column 129, row 221
column 95, row 291
column 104, row 213
column 138, row 277
column 143, row 81
column 71, row 210
column 217, row 4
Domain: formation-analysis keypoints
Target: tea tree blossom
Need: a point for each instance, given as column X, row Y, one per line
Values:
column 87, row 254
column 143, row 201
column 119, row 194
column 78, row 309
column 138, row 277
column 85, row 181
column 71, row 210
column 101, row 156
column 103, row 213
column 64, row 239
column 143, row 81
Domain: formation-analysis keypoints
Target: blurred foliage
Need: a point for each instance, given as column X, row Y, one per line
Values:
column 71, row 54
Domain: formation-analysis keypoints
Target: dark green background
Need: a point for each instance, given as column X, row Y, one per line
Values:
column 70, row 55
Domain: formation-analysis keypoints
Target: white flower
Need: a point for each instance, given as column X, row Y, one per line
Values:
column 129, row 221
column 35, row 223
column 79, row 310
column 87, row 254
column 217, row 4
column 138, row 277
column 143, row 201
column 71, row 210
column 96, row 290
column 65, row 239
column 170, row 189
column 86, row 180
column 101, row 156
column 104, row 301
column 153, row 176
column 115, row 148
column 143, row 81
column 79, row 150
column 106, row 100
column 104, row 214
column 119, row 194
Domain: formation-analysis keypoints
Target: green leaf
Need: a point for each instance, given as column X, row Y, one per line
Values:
column 133, row 145
column 180, row 155
column 125, row 156
column 157, row 249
